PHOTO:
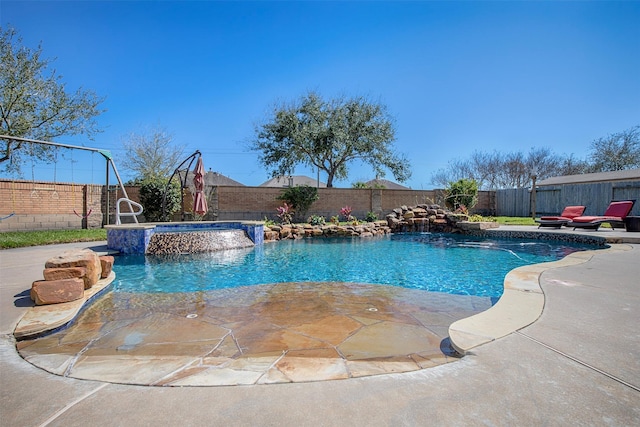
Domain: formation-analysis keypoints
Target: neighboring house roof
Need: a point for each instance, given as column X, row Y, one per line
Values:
column 215, row 179
column 292, row 181
column 625, row 175
column 385, row 183
column 218, row 180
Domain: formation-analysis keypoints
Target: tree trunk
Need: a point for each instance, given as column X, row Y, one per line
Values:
column 329, row 179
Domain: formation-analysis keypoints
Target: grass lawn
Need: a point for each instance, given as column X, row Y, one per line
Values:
column 513, row 220
column 19, row 239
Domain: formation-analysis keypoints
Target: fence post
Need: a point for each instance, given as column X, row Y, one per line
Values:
column 533, row 196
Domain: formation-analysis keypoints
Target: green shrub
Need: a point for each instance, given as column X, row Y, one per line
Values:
column 371, row 217
column 316, row 220
column 462, row 195
column 151, row 196
column 480, row 218
column 268, row 222
column 300, row 198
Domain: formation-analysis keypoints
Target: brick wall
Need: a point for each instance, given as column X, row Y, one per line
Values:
column 46, row 205
column 255, row 203
column 43, row 205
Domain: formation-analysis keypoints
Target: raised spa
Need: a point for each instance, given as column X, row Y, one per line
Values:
column 183, row 237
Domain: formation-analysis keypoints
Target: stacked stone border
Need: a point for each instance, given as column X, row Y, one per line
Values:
column 68, row 275
column 405, row 219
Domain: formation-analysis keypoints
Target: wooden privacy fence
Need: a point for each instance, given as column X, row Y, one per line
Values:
column 552, row 199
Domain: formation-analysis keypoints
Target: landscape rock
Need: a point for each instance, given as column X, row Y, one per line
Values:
column 51, row 274
column 408, row 214
column 106, row 262
column 79, row 258
column 45, row 292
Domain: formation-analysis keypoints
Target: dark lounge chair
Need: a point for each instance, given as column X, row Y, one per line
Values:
column 565, row 217
column 614, row 215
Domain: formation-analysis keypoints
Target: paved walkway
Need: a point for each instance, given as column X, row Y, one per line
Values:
column 577, row 364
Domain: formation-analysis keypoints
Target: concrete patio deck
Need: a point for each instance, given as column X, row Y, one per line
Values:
column 577, row 364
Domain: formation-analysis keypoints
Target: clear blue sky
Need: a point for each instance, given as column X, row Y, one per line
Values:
column 457, row 76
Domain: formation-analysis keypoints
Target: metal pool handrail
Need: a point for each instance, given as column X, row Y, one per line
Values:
column 132, row 214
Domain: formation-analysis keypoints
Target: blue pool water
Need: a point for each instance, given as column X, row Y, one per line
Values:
column 447, row 263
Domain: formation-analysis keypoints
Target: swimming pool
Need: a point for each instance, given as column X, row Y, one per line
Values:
column 317, row 309
column 449, row 263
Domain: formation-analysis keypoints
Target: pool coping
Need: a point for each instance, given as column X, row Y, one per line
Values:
column 520, row 305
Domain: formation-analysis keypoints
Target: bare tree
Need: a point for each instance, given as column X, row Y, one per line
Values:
column 456, row 170
column 501, row 170
column 514, row 170
column 151, row 154
column 572, row 166
column 617, row 151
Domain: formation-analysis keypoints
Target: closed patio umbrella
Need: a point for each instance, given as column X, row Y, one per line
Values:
column 199, row 200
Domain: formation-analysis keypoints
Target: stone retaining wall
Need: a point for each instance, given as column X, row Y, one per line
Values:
column 405, row 219
column 298, row 231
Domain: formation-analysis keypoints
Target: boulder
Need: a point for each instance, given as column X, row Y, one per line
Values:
column 79, row 258
column 465, row 225
column 51, row 274
column 408, row 214
column 285, row 232
column 106, row 262
column 419, row 212
column 57, row 291
column 271, row 235
column 454, row 218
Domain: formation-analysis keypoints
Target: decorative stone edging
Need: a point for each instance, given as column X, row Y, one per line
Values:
column 424, row 218
column 298, row 231
column 420, row 218
column 43, row 319
column 519, row 306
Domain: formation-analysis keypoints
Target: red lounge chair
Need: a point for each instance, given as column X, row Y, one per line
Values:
column 565, row 217
column 614, row 215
